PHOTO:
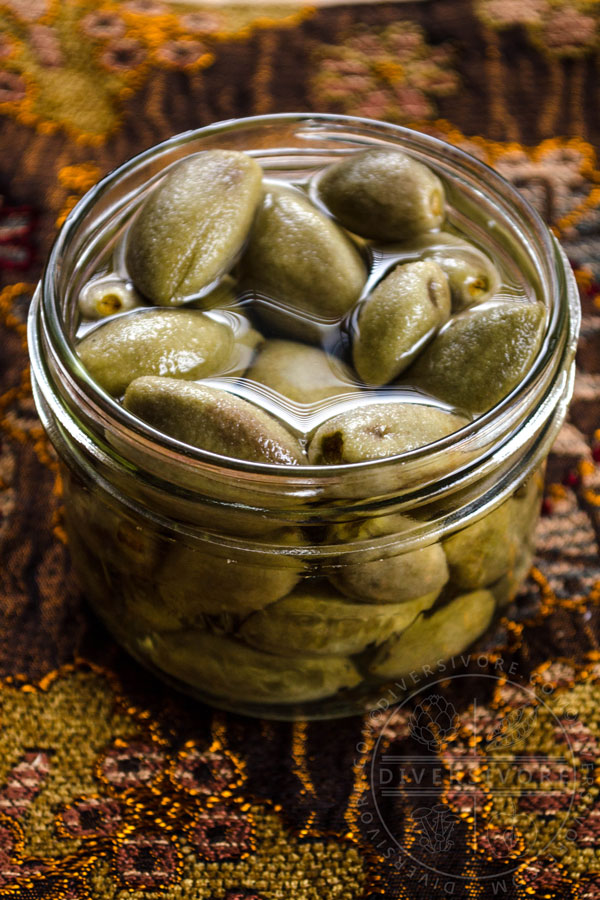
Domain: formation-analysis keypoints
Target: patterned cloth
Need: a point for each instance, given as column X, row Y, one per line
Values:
column 112, row 785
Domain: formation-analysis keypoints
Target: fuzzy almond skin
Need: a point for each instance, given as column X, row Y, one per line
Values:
column 377, row 430
column 401, row 314
column 176, row 343
column 446, row 633
column 299, row 257
column 301, row 373
column 385, row 195
column 193, row 225
column 401, row 577
column 212, row 420
column 481, row 355
column 315, row 620
column 227, row 668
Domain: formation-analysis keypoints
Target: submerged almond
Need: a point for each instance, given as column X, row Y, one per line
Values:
column 395, row 321
column 301, row 373
column 445, row 633
column 228, row 668
column 197, row 580
column 213, row 420
column 300, row 258
column 377, row 430
column 484, row 551
column 481, row 355
column 193, row 225
column 315, row 620
column 385, row 576
column 177, row 343
column 382, row 194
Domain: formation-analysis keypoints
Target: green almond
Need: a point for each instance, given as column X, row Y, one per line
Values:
column 385, row 195
column 484, row 551
column 197, row 580
column 378, row 430
column 383, row 576
column 236, row 672
column 472, row 276
column 182, row 344
column 213, row 420
column 396, row 320
column 445, row 633
column 481, row 355
column 193, row 225
column 301, row 373
column 316, row 620
column 299, row 257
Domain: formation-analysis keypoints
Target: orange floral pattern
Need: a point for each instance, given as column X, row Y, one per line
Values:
column 117, row 788
column 390, row 74
column 139, row 814
column 71, row 66
column 560, row 27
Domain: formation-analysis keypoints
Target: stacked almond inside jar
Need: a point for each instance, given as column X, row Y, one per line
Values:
column 328, row 321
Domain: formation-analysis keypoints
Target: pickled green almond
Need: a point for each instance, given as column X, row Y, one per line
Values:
column 284, row 322
column 377, row 430
column 525, row 507
column 106, row 297
column 481, row 355
column 193, row 225
column 405, row 576
column 116, row 559
column 224, row 296
column 232, row 670
column 195, row 582
column 99, row 580
column 445, row 633
column 116, row 540
column 315, row 620
column 472, row 276
column 301, row 373
column 299, row 257
column 484, row 551
column 398, row 318
column 385, row 195
column 213, row 420
column 246, row 339
column 179, row 343
column 146, row 609
column 506, row 588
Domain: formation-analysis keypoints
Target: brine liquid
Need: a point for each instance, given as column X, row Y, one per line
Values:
column 242, row 308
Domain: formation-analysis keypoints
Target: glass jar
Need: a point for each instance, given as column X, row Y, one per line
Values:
column 300, row 591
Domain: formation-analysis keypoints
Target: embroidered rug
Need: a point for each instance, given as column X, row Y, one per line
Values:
column 111, row 784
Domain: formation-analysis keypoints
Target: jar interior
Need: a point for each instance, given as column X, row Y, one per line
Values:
column 300, row 594
column 471, row 214
column 273, row 633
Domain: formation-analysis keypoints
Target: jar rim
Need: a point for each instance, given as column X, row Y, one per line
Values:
column 560, row 337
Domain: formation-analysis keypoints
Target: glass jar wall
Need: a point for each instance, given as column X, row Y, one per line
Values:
column 300, row 591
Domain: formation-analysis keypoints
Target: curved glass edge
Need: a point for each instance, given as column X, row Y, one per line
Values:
column 503, row 473
column 110, row 414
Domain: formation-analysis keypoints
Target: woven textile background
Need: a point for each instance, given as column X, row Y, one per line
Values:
column 112, row 785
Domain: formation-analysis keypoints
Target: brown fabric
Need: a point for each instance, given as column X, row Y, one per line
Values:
column 94, row 796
